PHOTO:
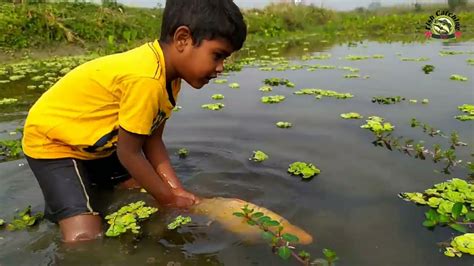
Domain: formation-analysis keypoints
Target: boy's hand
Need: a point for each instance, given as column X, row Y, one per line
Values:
column 179, row 202
column 179, row 192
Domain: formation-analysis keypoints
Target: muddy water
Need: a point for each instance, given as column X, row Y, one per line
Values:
column 351, row 207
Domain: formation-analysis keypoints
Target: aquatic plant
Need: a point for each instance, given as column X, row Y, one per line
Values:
column 234, row 85
column 428, row 69
column 2, row 222
column 177, row 108
column 377, row 125
column 449, row 52
column 468, row 109
column 425, row 101
column 351, row 76
column 452, row 204
column 273, row 99
column 419, row 59
column 217, row 96
column 458, row 77
column 220, row 81
column 178, row 222
column 326, row 93
column 23, row 220
column 305, row 170
column 258, row 156
column 127, row 218
column 8, row 101
column 470, row 61
column 351, row 69
column 278, row 81
column 10, row 149
column 183, row 153
column 282, row 124
column 213, row 106
column 461, row 244
column 413, row 101
column 265, row 89
column 282, row 244
column 387, row 100
column 265, row 69
column 356, row 57
column 351, row 115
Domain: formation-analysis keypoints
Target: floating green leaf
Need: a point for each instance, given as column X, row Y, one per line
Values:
column 217, row 96
column 273, row 99
column 303, row 169
column 220, row 81
column 234, row 85
column 388, row 100
column 183, row 153
column 213, row 106
column 258, row 156
column 127, row 217
column 284, row 252
column 290, row 238
column 458, row 77
column 178, row 222
column 377, row 125
column 24, row 219
column 351, row 115
column 265, row 88
column 282, row 124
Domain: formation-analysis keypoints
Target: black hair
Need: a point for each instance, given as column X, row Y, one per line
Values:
column 206, row 19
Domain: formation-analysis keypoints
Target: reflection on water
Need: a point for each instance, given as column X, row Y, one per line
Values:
column 351, row 207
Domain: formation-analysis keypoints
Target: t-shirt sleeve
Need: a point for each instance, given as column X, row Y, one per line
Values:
column 139, row 104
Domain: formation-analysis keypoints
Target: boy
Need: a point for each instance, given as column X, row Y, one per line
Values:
column 102, row 123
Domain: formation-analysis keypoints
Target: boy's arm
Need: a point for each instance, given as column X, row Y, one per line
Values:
column 129, row 151
column 156, row 153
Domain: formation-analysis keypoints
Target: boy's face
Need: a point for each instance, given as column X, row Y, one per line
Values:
column 199, row 64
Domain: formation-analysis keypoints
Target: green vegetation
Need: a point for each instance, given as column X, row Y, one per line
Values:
column 452, row 204
column 273, row 99
column 23, row 220
column 282, row 124
column 183, row 153
column 282, row 244
column 428, row 69
column 213, row 106
column 234, row 85
column 217, row 96
column 305, row 170
column 458, row 77
column 351, row 115
column 178, row 222
column 258, row 156
column 220, row 81
column 468, row 109
column 265, row 89
column 326, row 93
column 10, row 149
column 387, row 100
column 278, row 81
column 378, row 126
column 127, row 218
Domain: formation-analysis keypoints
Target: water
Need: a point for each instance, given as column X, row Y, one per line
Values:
column 351, row 207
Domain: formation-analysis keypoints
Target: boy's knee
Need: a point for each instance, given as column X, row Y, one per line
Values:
column 81, row 227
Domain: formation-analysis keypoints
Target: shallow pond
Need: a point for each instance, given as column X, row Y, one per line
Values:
column 351, row 207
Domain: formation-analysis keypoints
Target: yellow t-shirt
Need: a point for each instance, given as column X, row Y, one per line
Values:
column 80, row 115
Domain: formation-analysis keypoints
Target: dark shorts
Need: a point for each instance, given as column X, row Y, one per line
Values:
column 69, row 185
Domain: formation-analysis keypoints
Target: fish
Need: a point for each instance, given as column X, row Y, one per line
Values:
column 221, row 210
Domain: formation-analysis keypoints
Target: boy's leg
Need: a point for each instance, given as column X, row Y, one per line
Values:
column 66, row 190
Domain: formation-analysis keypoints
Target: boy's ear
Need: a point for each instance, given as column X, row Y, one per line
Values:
column 182, row 38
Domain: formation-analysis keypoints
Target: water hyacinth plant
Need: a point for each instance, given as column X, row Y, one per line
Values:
column 220, row 81
column 282, row 124
column 278, row 81
column 8, row 101
column 234, row 85
column 213, row 106
column 458, row 77
column 305, row 170
column 217, row 96
column 127, row 218
column 325, row 93
column 428, row 69
column 387, row 100
column 419, row 59
column 10, row 150
column 377, row 125
column 351, row 115
column 258, row 156
column 452, row 204
column 178, row 222
column 183, row 153
column 468, row 109
column 265, row 89
column 273, row 99
column 23, row 220
column 282, row 244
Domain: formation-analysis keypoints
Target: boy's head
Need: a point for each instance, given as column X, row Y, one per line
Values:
column 202, row 34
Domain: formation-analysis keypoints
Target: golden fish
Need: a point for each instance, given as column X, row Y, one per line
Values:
column 222, row 209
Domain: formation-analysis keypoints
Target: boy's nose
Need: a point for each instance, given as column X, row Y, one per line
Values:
column 220, row 67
